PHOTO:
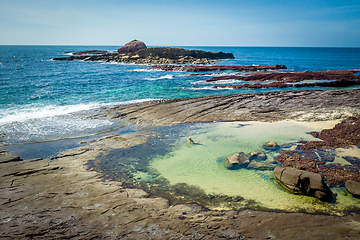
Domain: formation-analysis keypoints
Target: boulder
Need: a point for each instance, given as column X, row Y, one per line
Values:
column 270, row 145
column 303, row 182
column 353, row 187
column 259, row 156
column 260, row 166
column 133, row 46
column 236, row 159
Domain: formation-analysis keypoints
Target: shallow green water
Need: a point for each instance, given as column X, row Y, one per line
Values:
column 203, row 165
column 168, row 166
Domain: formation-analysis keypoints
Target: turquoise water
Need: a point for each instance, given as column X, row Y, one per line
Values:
column 171, row 167
column 39, row 97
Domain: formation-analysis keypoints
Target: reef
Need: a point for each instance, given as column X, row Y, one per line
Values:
column 313, row 157
column 330, row 78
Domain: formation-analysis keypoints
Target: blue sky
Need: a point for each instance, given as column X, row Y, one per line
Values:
column 181, row 23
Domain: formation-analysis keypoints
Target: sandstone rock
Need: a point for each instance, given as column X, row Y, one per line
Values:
column 303, row 182
column 133, row 46
column 9, row 158
column 260, row 166
column 353, row 187
column 236, row 159
column 270, row 145
column 259, row 156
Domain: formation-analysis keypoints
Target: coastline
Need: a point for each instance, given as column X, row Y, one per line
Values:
column 61, row 198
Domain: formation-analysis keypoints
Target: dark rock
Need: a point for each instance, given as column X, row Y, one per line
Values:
column 219, row 55
column 353, row 160
column 295, row 160
column 303, row 182
column 339, row 175
column 260, row 166
column 353, row 187
column 292, row 77
column 133, row 46
column 90, row 52
column 344, row 134
column 236, row 159
column 314, row 134
column 177, row 53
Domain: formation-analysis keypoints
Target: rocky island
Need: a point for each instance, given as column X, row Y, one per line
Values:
column 137, row 52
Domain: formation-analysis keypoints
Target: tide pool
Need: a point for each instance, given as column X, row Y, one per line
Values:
column 171, row 167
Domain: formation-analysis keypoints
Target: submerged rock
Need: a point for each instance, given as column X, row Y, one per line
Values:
column 260, row 165
column 236, row 159
column 270, row 145
column 303, row 182
column 353, row 187
column 259, row 156
column 133, row 46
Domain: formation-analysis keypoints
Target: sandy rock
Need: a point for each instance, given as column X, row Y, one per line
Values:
column 353, row 187
column 303, row 182
column 259, row 156
column 270, row 145
column 236, row 159
column 9, row 158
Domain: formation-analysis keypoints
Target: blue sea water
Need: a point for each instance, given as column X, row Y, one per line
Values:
column 40, row 99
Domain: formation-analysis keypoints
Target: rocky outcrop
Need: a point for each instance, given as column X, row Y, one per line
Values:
column 303, row 182
column 135, row 52
column 220, row 55
column 290, row 77
column 330, row 78
column 237, row 159
column 9, row 158
column 353, row 187
column 338, row 83
column 133, row 46
column 258, row 155
column 344, row 134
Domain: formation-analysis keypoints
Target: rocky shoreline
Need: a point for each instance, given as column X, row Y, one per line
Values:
column 62, row 198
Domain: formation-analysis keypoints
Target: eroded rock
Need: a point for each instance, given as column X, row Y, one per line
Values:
column 236, row 159
column 353, row 187
column 133, row 46
column 303, row 182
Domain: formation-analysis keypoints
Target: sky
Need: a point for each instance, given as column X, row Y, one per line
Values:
column 306, row 23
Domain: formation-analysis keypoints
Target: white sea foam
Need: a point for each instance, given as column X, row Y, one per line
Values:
column 39, row 112
column 167, row 76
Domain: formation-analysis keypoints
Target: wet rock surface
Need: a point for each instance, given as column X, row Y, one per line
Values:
column 62, row 198
column 330, row 78
column 273, row 106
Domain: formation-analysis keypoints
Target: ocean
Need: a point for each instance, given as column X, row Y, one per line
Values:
column 42, row 100
column 45, row 104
